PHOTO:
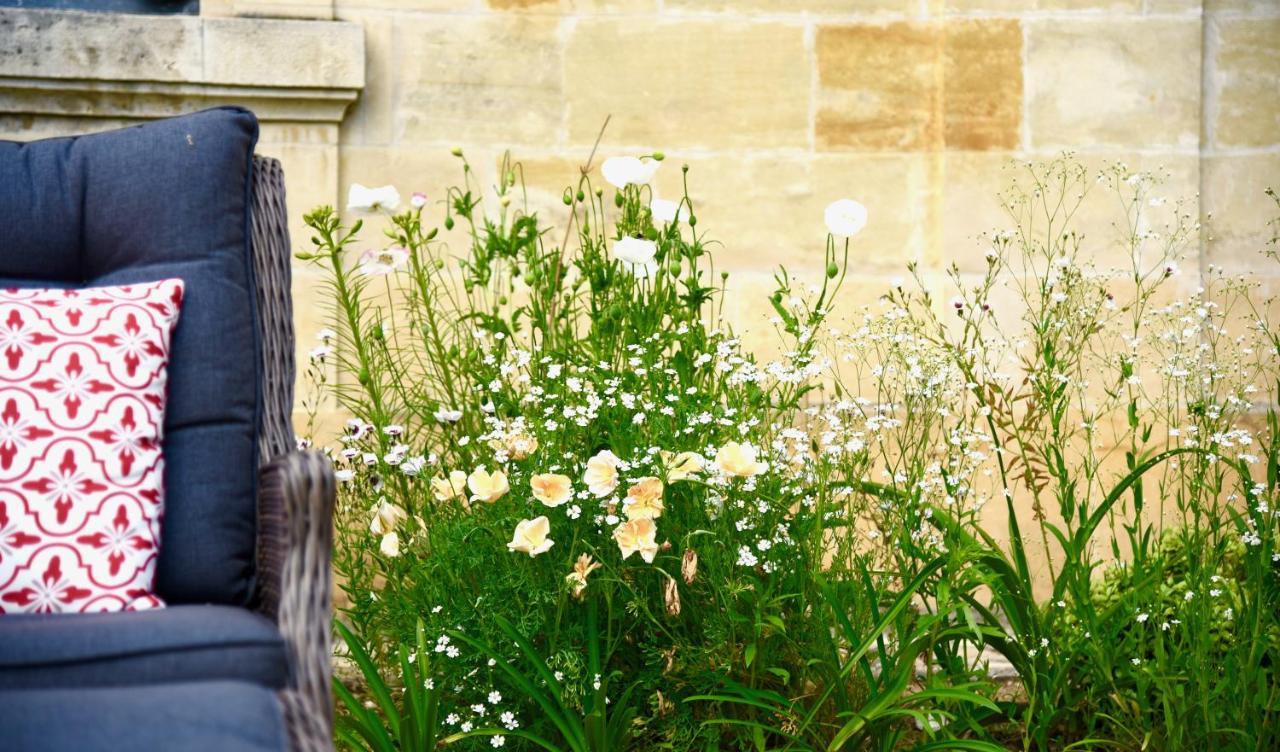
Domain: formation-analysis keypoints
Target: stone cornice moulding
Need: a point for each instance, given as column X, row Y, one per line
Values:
column 113, row 65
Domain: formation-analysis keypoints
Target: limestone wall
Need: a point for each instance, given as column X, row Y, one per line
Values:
column 913, row 107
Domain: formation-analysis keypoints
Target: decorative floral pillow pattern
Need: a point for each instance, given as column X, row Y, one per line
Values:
column 82, row 398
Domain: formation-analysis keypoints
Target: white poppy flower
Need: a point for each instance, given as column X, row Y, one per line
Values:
column 666, row 211
column 647, row 270
column 360, row 198
column 383, row 262
column 445, row 415
column 845, row 218
column 635, row 251
column 624, row 171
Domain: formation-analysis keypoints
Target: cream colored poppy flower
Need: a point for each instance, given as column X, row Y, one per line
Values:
column 386, row 518
column 453, row 487
column 739, row 459
column 390, row 545
column 531, row 537
column 637, row 536
column 601, row 476
column 681, row 466
column 644, row 500
column 486, row 486
column 577, row 579
column 520, row 446
column 551, row 489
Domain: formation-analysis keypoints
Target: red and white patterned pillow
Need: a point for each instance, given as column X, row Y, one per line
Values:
column 82, row 397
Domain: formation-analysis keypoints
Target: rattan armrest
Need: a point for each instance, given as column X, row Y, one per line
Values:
column 296, row 530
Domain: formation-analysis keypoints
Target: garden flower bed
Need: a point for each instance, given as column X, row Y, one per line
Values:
column 577, row 514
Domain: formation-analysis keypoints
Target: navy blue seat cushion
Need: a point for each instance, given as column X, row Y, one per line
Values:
column 169, row 198
column 196, row 717
column 175, row 644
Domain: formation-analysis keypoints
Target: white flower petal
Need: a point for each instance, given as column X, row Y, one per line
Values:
column 845, row 218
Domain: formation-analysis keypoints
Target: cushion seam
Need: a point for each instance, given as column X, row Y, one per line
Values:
column 142, row 653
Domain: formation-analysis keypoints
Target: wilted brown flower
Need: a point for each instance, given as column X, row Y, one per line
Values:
column 689, row 566
column 671, row 596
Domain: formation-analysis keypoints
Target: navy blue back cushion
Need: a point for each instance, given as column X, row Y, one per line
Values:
column 165, row 199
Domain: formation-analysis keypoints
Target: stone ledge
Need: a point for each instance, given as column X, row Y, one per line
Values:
column 118, row 65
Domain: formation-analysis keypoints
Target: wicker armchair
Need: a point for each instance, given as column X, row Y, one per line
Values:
column 296, row 489
column 239, row 657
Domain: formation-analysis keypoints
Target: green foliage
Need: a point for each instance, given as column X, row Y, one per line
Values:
column 578, row 514
column 411, row 724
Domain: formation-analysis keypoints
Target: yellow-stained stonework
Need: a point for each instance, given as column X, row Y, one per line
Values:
column 920, row 86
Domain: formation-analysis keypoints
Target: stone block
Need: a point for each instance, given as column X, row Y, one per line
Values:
column 324, row 55
column 1237, row 212
column 1246, row 70
column 717, row 83
column 1016, row 6
column 982, row 84
column 1114, row 83
column 573, row 6
column 479, row 79
column 303, row 9
column 371, row 119
column 1252, row 7
column 66, row 44
column 427, row 6
column 878, row 87
column 836, row 7
column 909, row 86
